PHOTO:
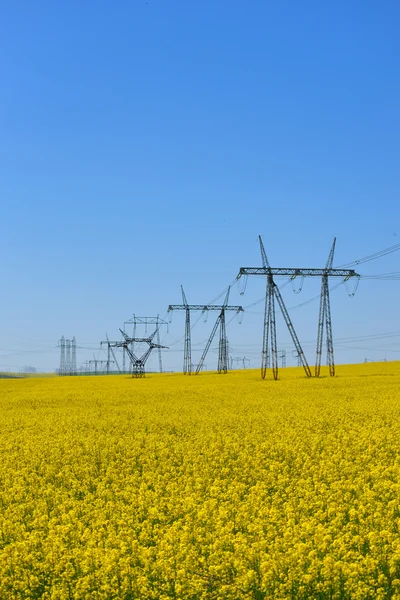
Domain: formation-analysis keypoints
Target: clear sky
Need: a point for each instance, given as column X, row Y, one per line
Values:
column 145, row 144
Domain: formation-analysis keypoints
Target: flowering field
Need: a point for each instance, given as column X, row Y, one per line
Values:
column 217, row 486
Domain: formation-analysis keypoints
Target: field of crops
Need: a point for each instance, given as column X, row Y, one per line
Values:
column 216, row 486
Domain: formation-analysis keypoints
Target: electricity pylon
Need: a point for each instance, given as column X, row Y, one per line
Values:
column 240, row 360
column 110, row 351
column 223, row 342
column 282, row 356
column 68, row 356
column 62, row 357
column 96, row 362
column 135, row 321
column 272, row 291
column 138, row 362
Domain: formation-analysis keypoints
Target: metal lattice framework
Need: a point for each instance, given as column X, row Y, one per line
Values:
column 67, row 356
column 138, row 362
column 96, row 362
column 146, row 321
column 223, row 359
column 325, row 319
column 110, row 352
column 272, row 293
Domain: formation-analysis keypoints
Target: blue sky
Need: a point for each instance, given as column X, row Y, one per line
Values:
column 147, row 144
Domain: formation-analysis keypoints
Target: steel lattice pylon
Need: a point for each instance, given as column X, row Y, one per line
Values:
column 139, row 362
column 272, row 292
column 223, row 360
column 67, row 357
column 145, row 321
column 110, row 352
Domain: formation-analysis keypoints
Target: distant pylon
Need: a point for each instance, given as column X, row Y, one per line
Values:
column 67, row 356
column 62, row 357
column 146, row 321
column 223, row 350
column 73, row 356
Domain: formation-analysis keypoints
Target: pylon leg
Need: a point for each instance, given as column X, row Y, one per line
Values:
column 159, row 349
column 321, row 323
column 267, row 319
column 222, row 350
column 187, row 359
column 329, row 336
column 274, row 350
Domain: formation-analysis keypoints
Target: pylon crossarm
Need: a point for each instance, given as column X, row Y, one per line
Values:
column 289, row 272
column 145, row 321
column 204, row 307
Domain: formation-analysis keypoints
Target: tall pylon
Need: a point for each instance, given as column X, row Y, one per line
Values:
column 324, row 319
column 110, row 351
column 223, row 345
column 272, row 291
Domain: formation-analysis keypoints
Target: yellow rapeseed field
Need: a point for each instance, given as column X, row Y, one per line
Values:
column 216, row 486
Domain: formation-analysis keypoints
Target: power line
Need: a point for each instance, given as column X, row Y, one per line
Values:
column 374, row 256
